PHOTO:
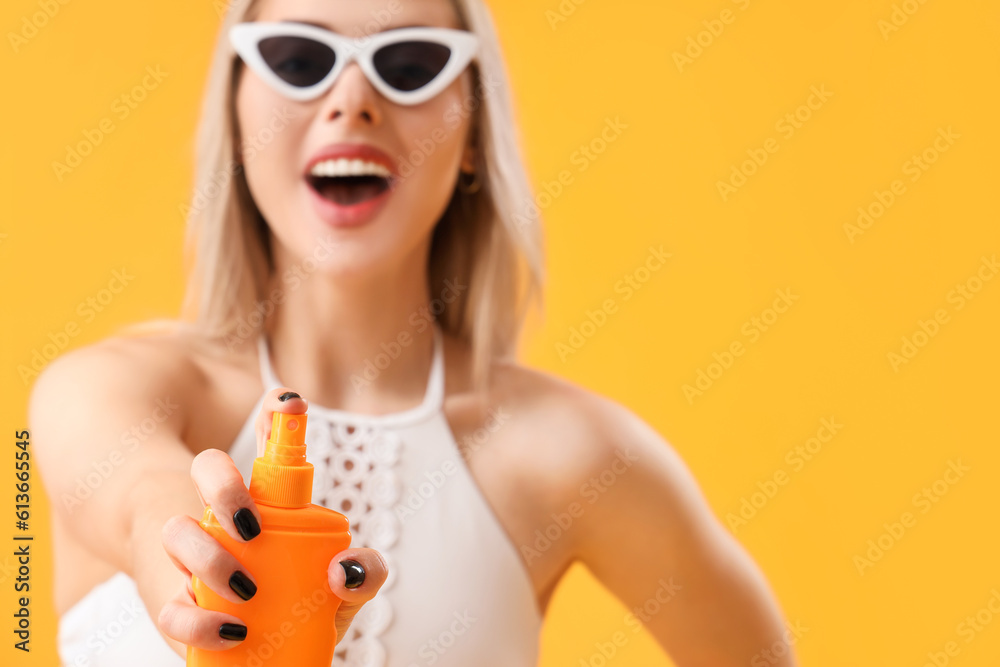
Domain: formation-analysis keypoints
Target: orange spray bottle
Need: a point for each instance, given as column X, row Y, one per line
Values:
column 290, row 620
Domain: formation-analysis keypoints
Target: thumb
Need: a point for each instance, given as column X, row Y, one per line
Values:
column 355, row 576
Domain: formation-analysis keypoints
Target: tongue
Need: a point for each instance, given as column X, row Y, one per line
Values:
column 348, row 190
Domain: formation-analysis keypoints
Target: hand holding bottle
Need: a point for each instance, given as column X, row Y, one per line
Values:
column 353, row 575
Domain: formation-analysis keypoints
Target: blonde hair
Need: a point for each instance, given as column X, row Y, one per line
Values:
column 488, row 240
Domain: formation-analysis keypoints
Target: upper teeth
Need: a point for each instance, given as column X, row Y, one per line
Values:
column 346, row 167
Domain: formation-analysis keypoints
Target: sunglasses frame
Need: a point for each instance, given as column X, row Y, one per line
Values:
column 246, row 37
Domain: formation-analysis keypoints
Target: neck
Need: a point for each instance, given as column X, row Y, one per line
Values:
column 363, row 345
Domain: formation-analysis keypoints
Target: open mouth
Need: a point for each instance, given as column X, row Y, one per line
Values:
column 348, row 190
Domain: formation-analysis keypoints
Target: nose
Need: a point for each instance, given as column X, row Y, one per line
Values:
column 352, row 97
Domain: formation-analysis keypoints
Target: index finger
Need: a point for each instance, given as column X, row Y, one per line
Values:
column 220, row 485
column 279, row 399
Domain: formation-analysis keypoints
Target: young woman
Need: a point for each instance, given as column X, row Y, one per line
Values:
column 359, row 233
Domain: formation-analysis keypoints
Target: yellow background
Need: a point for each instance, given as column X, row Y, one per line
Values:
column 655, row 184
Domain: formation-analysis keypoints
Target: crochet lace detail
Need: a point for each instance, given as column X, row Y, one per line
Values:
column 354, row 475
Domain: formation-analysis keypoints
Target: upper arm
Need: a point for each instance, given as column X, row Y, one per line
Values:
column 102, row 419
column 649, row 535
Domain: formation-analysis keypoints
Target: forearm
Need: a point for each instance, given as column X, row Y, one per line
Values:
column 157, row 498
column 735, row 618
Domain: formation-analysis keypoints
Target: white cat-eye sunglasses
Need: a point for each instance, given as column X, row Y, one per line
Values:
column 407, row 65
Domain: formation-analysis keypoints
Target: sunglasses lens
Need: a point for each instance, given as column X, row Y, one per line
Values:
column 409, row 66
column 299, row 61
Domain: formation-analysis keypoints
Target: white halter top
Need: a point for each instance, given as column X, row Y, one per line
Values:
column 458, row 592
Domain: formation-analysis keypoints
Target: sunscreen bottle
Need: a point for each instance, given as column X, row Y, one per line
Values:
column 290, row 620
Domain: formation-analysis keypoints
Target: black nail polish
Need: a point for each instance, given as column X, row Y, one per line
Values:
column 288, row 395
column 233, row 631
column 354, row 573
column 246, row 523
column 241, row 585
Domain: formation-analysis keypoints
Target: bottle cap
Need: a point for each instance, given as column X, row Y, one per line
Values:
column 282, row 476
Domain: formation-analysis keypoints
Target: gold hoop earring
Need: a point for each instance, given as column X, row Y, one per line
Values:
column 469, row 188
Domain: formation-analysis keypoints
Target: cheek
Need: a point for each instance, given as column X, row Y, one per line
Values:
column 270, row 135
column 434, row 145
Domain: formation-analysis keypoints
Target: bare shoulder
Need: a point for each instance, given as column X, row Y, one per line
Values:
column 573, row 435
column 122, row 378
column 132, row 365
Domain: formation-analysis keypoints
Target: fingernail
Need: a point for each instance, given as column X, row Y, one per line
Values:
column 246, row 523
column 288, row 395
column 354, row 573
column 241, row 585
column 233, row 631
